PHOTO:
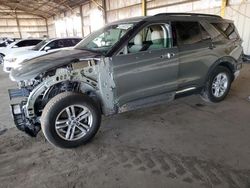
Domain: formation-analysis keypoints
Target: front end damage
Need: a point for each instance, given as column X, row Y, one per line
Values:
column 18, row 113
column 89, row 76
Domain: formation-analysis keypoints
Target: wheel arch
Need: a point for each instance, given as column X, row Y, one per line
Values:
column 42, row 89
column 83, row 88
column 227, row 61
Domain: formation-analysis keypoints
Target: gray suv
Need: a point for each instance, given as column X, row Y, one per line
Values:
column 124, row 66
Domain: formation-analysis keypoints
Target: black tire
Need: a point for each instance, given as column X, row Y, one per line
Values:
column 1, row 58
column 56, row 105
column 207, row 93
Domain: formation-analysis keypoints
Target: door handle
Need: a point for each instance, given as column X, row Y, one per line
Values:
column 211, row 46
column 168, row 56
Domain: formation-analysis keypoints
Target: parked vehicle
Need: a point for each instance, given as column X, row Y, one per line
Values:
column 5, row 42
column 126, row 65
column 18, row 46
column 13, row 60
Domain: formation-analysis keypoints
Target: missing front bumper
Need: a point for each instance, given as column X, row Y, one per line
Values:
column 17, row 111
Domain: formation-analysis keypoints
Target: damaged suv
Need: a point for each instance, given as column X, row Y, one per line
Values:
column 126, row 65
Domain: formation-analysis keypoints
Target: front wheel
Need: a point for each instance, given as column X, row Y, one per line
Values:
column 70, row 120
column 218, row 85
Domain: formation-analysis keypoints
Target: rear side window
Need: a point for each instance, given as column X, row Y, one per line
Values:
column 188, row 32
column 25, row 43
column 33, row 42
column 21, row 44
column 226, row 30
column 75, row 41
column 70, row 42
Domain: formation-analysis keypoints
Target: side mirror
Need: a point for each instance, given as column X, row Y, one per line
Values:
column 15, row 46
column 47, row 48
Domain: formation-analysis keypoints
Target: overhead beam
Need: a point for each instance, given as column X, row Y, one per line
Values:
column 9, row 12
column 97, row 4
column 172, row 4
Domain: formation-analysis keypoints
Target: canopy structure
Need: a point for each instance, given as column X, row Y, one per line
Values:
column 43, row 8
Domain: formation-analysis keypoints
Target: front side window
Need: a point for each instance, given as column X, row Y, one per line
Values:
column 188, row 32
column 152, row 37
column 56, row 44
column 103, row 40
column 40, row 45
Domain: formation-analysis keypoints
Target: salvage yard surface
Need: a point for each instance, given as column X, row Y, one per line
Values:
column 188, row 143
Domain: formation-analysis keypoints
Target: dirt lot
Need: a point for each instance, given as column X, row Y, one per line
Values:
column 188, row 143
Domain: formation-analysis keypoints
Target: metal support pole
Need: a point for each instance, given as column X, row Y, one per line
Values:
column 104, row 5
column 18, row 25
column 144, row 7
column 82, row 23
column 47, row 27
column 223, row 7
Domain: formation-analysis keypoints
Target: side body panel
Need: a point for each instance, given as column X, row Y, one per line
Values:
column 144, row 74
column 195, row 61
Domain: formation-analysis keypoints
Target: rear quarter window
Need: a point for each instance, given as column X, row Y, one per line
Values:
column 226, row 30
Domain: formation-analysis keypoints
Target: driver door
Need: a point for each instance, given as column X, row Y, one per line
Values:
column 147, row 67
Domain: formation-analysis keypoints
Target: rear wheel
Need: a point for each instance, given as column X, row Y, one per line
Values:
column 70, row 120
column 1, row 58
column 218, row 85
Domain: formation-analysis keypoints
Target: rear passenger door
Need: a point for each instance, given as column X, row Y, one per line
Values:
column 147, row 66
column 195, row 53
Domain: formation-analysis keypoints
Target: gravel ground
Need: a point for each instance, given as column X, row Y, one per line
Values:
column 188, row 143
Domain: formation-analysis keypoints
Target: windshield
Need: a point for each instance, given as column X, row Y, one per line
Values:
column 103, row 40
column 40, row 45
column 3, row 44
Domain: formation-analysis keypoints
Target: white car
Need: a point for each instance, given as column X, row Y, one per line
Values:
column 12, row 60
column 18, row 46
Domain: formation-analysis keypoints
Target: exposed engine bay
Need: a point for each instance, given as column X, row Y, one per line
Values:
column 83, row 76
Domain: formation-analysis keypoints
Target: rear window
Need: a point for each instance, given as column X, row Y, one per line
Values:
column 227, row 30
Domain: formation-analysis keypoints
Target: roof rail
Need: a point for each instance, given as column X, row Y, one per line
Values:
column 188, row 14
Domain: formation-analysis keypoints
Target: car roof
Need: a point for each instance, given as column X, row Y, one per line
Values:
column 173, row 16
column 186, row 17
column 129, row 20
column 29, row 39
column 50, row 39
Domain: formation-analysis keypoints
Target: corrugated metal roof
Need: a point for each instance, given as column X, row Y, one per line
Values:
column 43, row 8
